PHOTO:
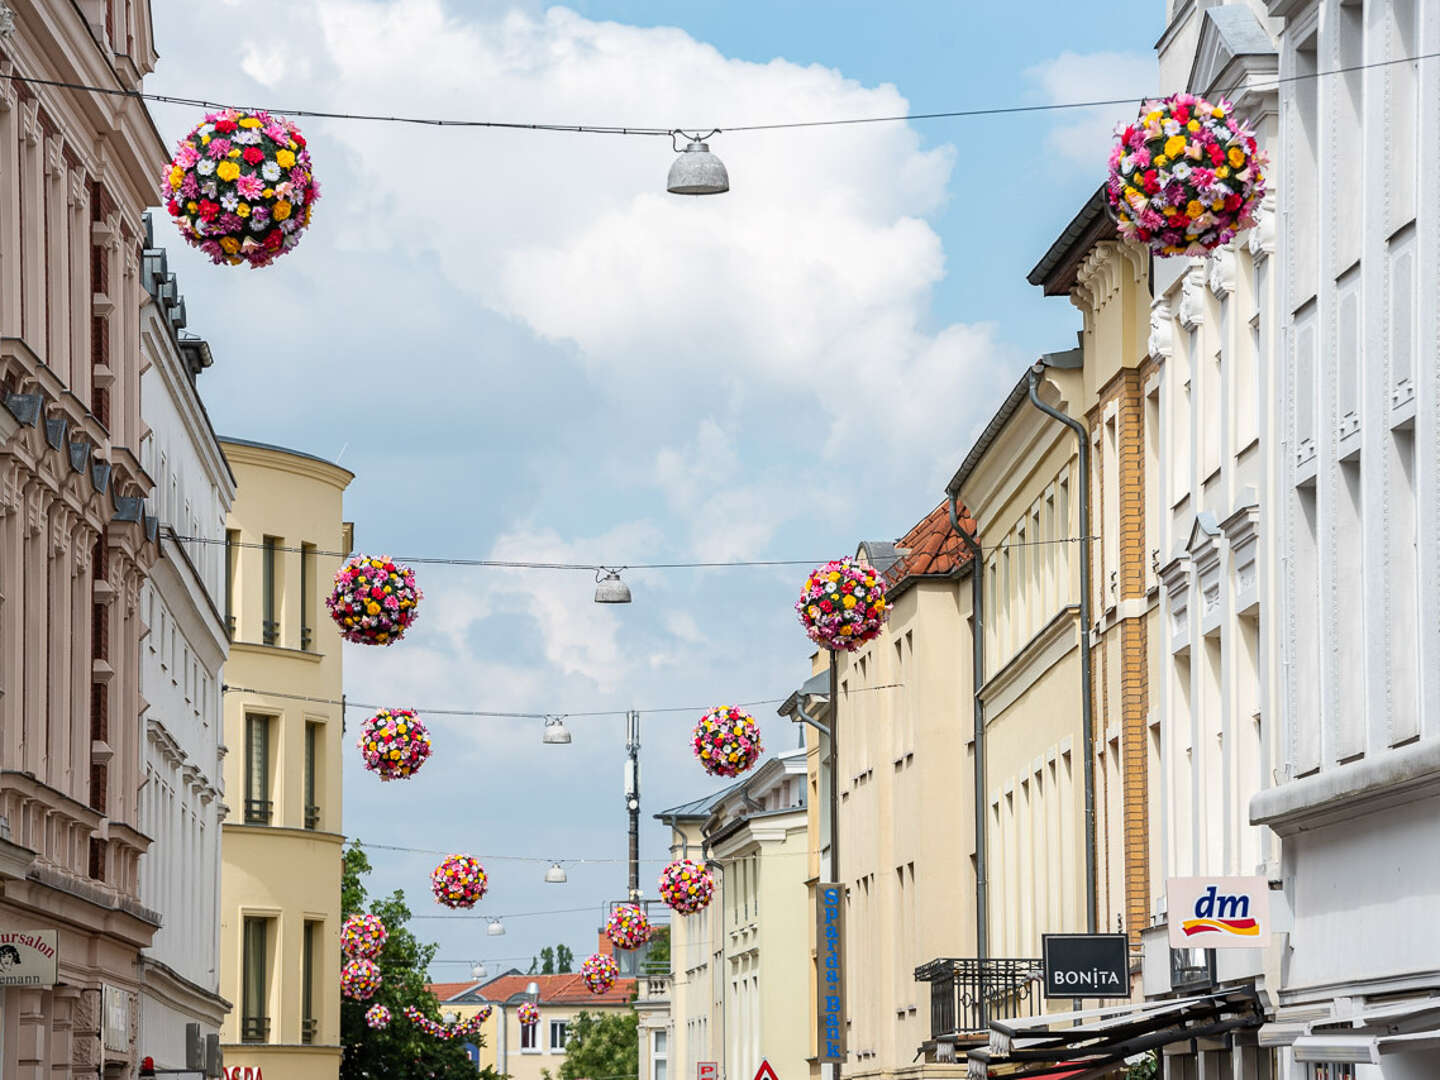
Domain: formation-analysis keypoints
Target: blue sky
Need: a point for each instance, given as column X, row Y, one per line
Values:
column 525, row 349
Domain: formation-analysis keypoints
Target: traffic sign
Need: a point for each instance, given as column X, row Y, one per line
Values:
column 707, row 1070
column 765, row 1072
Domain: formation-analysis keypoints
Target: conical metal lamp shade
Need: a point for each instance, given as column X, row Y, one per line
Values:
column 696, row 171
column 611, row 590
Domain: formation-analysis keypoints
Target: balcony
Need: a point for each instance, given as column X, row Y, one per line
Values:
column 312, row 816
column 965, row 995
column 255, row 1029
column 308, row 1027
column 258, row 811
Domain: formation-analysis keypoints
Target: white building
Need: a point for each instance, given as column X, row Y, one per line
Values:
column 1355, row 798
column 181, row 796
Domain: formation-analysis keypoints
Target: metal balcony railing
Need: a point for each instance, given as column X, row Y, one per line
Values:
column 255, row 1029
column 270, row 632
column 258, row 811
column 308, row 1027
column 966, row 994
column 312, row 817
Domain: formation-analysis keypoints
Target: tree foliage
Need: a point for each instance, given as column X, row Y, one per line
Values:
column 602, row 1045
column 558, row 960
column 400, row 1051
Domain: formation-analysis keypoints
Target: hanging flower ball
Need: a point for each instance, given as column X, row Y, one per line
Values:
column 727, row 741
column 686, row 887
column 360, row 979
column 842, row 605
column 374, row 600
column 528, row 1013
column 377, row 1017
column 599, row 973
column 628, row 927
column 1185, row 177
column 394, row 743
column 240, row 187
column 363, row 936
column 459, row 881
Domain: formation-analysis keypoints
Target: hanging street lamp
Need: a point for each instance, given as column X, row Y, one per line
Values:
column 695, row 170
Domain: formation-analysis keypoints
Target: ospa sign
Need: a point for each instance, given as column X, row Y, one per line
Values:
column 29, row 957
column 1218, row 912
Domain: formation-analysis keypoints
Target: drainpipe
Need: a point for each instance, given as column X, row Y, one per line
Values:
column 1087, row 717
column 977, row 677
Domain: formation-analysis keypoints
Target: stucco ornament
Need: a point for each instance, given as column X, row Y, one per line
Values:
column 727, row 741
column 1185, row 177
column 842, row 604
column 240, row 187
column 374, row 601
column 599, row 973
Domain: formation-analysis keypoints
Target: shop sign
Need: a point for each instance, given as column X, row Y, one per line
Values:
column 116, row 1004
column 29, row 957
column 243, row 1072
column 1218, row 912
column 1086, row 965
column 830, row 981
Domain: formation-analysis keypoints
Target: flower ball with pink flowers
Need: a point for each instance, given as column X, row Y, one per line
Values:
column 377, row 1017
column 240, row 186
column 842, row 605
column 628, row 927
column 394, row 744
column 459, row 881
column 363, row 936
column 726, row 741
column 599, row 973
column 360, row 979
column 686, row 887
column 528, row 1013
column 374, row 601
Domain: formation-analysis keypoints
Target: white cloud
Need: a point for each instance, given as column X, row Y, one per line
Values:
column 1083, row 136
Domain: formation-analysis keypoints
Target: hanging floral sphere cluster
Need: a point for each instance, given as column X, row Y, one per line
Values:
column 528, row 1013
column 374, row 600
column 394, row 744
column 465, row 1029
column 1185, row 177
column 363, row 936
column 599, row 973
column 686, row 887
column 842, row 605
column 377, row 1017
column 627, row 927
column 727, row 741
column 240, row 187
column 459, row 881
column 360, row 979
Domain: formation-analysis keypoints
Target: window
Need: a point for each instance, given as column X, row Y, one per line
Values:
column 307, row 585
column 254, row 989
column 310, row 947
column 257, row 770
column 527, row 1038
column 312, row 755
column 1305, row 153
column 271, row 626
column 1334, row 1072
column 232, row 560
column 659, row 1055
column 559, row 1034
column 1402, row 86
column 1350, row 109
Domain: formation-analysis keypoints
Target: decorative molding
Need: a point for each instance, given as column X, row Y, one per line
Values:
column 1192, row 295
column 1261, row 240
column 1221, row 275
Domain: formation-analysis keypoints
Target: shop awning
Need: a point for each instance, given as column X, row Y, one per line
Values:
column 1087, row 1044
column 1353, row 1032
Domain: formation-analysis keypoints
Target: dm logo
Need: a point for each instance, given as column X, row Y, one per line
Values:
column 1225, row 914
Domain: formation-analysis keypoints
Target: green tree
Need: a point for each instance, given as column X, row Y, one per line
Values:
column 605, row 1045
column 400, row 1051
column 657, row 952
column 557, row 960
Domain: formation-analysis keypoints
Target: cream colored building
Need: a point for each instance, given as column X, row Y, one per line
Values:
column 280, row 883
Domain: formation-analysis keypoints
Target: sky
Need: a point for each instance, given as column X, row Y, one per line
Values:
column 525, row 349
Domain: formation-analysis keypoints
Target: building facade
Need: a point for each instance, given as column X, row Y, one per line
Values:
column 182, row 800
column 1354, row 796
column 75, row 540
column 280, row 882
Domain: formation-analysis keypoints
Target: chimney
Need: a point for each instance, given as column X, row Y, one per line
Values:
column 606, row 948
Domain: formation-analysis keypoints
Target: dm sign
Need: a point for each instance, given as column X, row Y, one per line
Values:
column 29, row 957
column 830, row 984
column 1218, row 912
column 1086, row 965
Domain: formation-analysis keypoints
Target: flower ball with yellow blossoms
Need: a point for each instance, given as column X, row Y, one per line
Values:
column 374, row 600
column 842, row 605
column 360, row 979
column 1185, row 177
column 628, row 927
column 727, row 741
column 686, row 887
column 240, row 187
column 459, row 881
column 599, row 973
column 377, row 1017
column 394, row 744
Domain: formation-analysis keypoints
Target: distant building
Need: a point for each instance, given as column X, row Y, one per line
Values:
column 280, row 886
column 181, row 797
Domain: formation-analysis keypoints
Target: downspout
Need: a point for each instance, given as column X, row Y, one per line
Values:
column 1087, row 717
column 977, row 677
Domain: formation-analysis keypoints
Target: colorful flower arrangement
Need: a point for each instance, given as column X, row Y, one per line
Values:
column 363, row 936
column 686, row 887
column 528, row 1013
column 842, row 605
column 377, row 1017
column 465, row 1029
column 394, row 743
column 240, row 187
column 628, row 927
column 374, row 600
column 1185, row 177
column 360, row 979
column 727, row 741
column 599, row 973
column 459, row 881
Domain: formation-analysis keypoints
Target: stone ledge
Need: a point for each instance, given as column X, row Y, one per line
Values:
column 1392, row 778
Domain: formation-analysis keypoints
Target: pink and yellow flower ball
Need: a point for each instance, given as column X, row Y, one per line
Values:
column 842, row 605
column 459, row 881
column 686, row 887
column 363, row 936
column 374, row 601
column 528, row 1013
column 727, row 741
column 360, row 979
column 394, row 743
column 599, row 973
column 377, row 1017
column 628, row 927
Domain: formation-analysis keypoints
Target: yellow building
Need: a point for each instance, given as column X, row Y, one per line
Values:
column 281, row 848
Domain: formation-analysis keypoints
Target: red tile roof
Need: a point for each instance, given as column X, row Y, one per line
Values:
column 556, row 989
column 449, row 989
column 934, row 547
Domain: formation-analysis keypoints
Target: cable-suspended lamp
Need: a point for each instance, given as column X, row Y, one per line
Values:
column 697, row 171
column 556, row 874
column 609, row 589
